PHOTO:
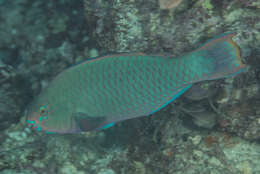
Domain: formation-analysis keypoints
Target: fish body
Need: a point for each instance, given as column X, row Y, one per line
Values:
column 97, row 93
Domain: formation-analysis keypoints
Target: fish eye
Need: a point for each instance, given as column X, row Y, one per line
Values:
column 43, row 111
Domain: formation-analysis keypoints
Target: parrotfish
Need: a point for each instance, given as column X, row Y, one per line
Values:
column 102, row 91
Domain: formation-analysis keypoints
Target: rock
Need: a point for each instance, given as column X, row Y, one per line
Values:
column 205, row 119
column 201, row 91
column 195, row 140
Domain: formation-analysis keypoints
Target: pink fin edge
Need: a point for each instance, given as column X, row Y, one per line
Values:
column 225, row 37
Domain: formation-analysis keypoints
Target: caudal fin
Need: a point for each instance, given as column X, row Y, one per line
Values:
column 224, row 53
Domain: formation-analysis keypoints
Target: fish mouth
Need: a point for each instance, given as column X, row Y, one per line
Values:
column 28, row 117
column 26, row 113
column 34, row 121
column 34, row 124
column 31, row 119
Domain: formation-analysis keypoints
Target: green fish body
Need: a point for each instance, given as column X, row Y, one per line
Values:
column 97, row 93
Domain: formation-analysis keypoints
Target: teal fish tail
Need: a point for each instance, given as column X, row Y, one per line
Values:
column 224, row 55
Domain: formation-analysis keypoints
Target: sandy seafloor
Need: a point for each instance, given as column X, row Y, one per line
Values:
column 215, row 130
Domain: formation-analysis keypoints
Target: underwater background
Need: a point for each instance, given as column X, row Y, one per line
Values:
column 214, row 128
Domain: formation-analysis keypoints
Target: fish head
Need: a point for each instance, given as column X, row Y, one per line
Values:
column 38, row 116
column 50, row 116
column 50, row 112
column 40, row 113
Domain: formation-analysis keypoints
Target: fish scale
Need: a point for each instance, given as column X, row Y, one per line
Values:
column 97, row 93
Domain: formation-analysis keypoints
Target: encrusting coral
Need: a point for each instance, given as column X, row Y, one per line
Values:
column 168, row 4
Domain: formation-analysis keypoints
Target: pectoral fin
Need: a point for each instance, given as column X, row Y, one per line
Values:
column 84, row 122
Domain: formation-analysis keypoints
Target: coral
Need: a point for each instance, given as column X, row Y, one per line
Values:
column 93, row 53
column 168, row 4
column 106, row 171
column 205, row 119
column 128, row 28
column 68, row 168
column 209, row 141
column 201, row 91
column 58, row 24
column 206, row 4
